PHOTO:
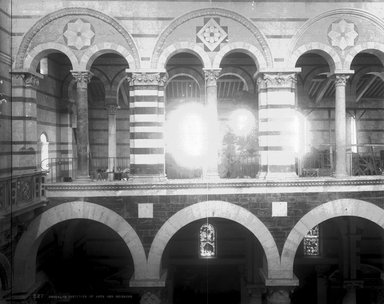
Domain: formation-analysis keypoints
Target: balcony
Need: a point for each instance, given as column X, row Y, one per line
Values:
column 19, row 194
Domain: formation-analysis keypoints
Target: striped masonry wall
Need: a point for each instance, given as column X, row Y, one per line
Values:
column 277, row 134
column 147, row 158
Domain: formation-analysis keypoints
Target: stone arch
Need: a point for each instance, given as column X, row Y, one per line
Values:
column 73, row 11
column 117, row 80
column 332, row 209
column 180, row 47
column 211, row 209
column 160, row 44
column 33, row 57
column 249, row 49
column 367, row 70
column 327, row 52
column 240, row 73
column 5, row 272
column 103, row 48
column 27, row 247
column 374, row 48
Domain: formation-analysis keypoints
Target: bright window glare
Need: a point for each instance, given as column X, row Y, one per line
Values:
column 186, row 135
column 242, row 122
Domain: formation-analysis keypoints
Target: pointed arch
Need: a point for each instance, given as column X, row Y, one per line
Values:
column 27, row 247
column 332, row 209
column 206, row 209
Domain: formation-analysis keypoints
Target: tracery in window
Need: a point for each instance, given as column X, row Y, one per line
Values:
column 207, row 241
column 311, row 242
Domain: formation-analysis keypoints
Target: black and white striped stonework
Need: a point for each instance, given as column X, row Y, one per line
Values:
column 277, row 134
column 146, row 102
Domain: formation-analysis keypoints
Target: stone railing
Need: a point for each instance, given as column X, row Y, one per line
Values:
column 18, row 193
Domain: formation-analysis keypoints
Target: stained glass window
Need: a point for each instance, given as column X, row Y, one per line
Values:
column 207, row 241
column 311, row 242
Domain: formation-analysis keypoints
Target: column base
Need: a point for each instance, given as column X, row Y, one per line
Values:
column 144, row 179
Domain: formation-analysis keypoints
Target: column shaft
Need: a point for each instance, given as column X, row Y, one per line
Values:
column 277, row 126
column 112, row 109
column 82, row 78
column 211, row 165
column 340, row 125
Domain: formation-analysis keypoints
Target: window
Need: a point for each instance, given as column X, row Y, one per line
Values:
column 207, row 241
column 44, row 151
column 311, row 242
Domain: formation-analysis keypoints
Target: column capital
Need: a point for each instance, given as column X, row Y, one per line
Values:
column 211, row 76
column 147, row 77
column 279, row 295
column 30, row 79
column 277, row 80
column 82, row 78
column 112, row 108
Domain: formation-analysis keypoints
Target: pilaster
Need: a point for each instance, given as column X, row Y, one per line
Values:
column 24, row 121
column 147, row 117
column 277, row 126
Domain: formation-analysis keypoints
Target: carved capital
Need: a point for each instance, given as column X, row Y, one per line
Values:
column 277, row 80
column 279, row 295
column 150, row 298
column 82, row 78
column 341, row 79
column 211, row 76
column 30, row 80
column 147, row 78
column 112, row 109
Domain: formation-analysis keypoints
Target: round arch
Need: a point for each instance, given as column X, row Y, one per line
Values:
column 187, row 72
column 374, row 48
column 26, row 250
column 32, row 59
column 243, row 47
column 180, row 47
column 116, row 82
column 211, row 209
column 73, row 11
column 327, row 52
column 161, row 41
column 103, row 48
column 332, row 209
column 240, row 73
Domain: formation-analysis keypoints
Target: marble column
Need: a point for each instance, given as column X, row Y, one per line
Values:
column 82, row 79
column 278, row 296
column 24, row 122
column 278, row 132
column 112, row 110
column 340, row 125
column 211, row 166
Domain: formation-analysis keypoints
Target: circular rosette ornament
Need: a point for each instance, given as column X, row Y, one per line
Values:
column 78, row 34
column 342, row 34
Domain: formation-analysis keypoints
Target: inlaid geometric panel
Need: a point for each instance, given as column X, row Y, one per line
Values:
column 78, row 34
column 342, row 34
column 207, row 241
column 211, row 34
column 311, row 242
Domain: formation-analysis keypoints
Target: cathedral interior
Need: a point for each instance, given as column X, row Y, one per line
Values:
column 212, row 151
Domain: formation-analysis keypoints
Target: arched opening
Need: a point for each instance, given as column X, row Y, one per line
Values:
column 44, row 150
column 365, row 111
column 315, row 115
column 237, row 110
column 54, row 115
column 109, row 118
column 184, row 102
column 84, row 257
column 349, row 263
column 194, row 279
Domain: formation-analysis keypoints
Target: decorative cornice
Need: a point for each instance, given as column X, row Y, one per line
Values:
column 147, row 78
column 276, row 80
column 82, row 78
column 73, row 11
column 211, row 76
column 212, row 12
